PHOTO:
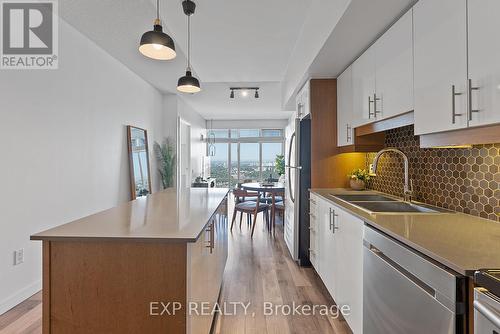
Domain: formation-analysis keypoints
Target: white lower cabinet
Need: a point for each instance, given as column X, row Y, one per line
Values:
column 314, row 231
column 339, row 257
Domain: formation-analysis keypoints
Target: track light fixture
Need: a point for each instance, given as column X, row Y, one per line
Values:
column 155, row 44
column 188, row 83
column 244, row 91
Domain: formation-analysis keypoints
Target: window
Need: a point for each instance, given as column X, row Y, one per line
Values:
column 245, row 154
column 249, row 162
column 269, row 153
column 219, row 133
column 272, row 133
column 219, row 167
column 234, row 170
column 249, row 133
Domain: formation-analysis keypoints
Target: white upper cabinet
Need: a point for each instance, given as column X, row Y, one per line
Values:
column 363, row 83
column 484, row 61
column 303, row 102
column 394, row 69
column 440, row 62
column 344, row 108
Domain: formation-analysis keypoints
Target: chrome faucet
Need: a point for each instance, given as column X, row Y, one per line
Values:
column 408, row 186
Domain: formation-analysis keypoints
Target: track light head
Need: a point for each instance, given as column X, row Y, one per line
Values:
column 256, row 93
column 231, row 96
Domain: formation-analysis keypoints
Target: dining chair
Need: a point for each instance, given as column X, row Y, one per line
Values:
column 249, row 207
column 278, row 206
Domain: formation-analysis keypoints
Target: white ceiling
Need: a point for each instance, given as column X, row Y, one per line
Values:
column 239, row 40
column 213, row 102
column 275, row 45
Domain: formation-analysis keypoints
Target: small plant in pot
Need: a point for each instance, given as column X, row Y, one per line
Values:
column 358, row 179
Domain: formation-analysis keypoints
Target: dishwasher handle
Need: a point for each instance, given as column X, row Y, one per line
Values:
column 487, row 312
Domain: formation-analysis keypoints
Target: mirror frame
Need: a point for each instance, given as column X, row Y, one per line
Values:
column 131, row 160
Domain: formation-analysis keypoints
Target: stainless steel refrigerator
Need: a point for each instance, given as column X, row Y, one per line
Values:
column 298, row 183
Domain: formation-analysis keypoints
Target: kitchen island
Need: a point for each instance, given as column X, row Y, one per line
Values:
column 138, row 267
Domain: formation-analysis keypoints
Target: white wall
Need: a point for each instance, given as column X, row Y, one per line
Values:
column 64, row 151
column 197, row 123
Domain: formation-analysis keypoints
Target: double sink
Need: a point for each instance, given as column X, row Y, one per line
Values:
column 381, row 204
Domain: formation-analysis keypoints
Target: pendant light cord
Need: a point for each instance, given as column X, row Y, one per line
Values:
column 189, row 43
column 158, row 9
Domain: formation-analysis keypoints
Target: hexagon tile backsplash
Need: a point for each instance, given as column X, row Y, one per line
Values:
column 460, row 179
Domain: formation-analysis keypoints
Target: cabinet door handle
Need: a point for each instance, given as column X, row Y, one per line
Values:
column 470, row 99
column 453, row 106
column 330, row 219
column 369, row 107
column 333, row 221
column 375, row 99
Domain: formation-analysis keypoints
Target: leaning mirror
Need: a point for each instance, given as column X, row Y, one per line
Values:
column 140, row 179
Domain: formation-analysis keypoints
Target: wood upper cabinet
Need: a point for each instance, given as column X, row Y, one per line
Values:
column 484, row 61
column 363, row 83
column 345, row 115
column 394, row 68
column 440, row 60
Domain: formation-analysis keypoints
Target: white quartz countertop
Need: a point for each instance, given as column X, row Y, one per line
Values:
column 169, row 216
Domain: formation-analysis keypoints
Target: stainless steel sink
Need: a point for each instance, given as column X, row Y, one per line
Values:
column 380, row 204
column 396, row 207
column 365, row 198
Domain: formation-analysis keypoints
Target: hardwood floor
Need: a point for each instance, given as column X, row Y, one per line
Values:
column 25, row 318
column 258, row 270
column 261, row 270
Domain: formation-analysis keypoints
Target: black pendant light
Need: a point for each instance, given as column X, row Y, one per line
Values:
column 156, row 44
column 188, row 83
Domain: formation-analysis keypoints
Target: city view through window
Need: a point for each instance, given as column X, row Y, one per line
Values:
column 245, row 155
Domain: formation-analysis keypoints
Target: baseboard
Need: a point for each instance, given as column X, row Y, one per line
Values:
column 20, row 296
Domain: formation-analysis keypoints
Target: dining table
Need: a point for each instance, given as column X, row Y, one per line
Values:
column 273, row 188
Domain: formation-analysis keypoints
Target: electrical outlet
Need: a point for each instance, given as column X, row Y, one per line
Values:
column 370, row 169
column 19, row 256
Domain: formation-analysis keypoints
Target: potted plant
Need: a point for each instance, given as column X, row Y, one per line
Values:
column 279, row 167
column 166, row 162
column 358, row 179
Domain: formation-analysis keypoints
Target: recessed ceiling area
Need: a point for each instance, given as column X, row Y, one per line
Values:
column 213, row 102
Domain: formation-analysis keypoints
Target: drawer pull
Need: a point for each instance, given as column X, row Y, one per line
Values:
column 211, row 242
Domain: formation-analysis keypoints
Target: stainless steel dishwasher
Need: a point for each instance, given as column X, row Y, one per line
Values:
column 405, row 292
column 487, row 302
